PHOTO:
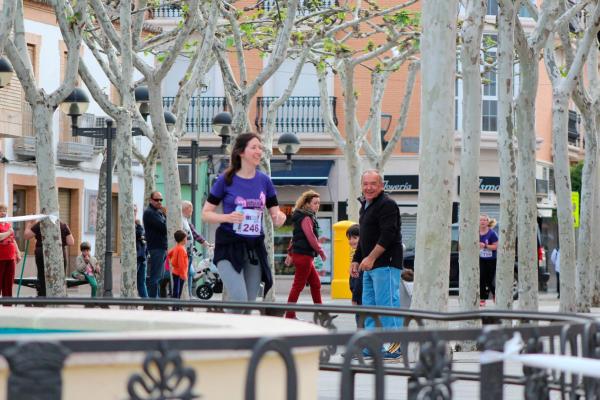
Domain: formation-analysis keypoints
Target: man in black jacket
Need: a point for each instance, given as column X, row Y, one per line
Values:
column 379, row 251
column 155, row 224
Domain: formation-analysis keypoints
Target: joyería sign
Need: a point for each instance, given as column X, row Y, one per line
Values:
column 401, row 183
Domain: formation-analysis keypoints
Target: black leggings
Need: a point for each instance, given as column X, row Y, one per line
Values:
column 487, row 273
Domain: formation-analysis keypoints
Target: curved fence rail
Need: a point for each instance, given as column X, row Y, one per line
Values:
column 426, row 344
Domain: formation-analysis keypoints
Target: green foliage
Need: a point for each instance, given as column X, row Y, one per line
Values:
column 321, row 66
column 404, row 18
column 489, row 41
column 576, row 170
column 73, row 19
column 185, row 9
column 563, row 71
column 229, row 42
column 247, row 29
column 370, row 46
column 161, row 57
column 297, row 37
column 187, row 46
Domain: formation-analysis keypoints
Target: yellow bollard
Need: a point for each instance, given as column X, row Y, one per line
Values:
column 340, row 287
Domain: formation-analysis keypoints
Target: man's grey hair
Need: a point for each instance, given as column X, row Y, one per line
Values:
column 374, row 172
column 185, row 204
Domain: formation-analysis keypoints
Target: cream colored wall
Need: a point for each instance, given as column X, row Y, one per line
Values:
column 219, row 376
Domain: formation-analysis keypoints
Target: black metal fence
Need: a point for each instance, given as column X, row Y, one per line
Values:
column 167, row 11
column 299, row 114
column 430, row 375
column 201, row 111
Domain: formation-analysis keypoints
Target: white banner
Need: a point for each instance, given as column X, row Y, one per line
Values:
column 22, row 218
column 575, row 365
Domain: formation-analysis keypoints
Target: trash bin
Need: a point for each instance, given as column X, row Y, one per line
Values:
column 340, row 287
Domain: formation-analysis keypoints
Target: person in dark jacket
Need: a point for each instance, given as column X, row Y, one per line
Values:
column 304, row 248
column 155, row 225
column 379, row 251
column 142, row 253
column 35, row 231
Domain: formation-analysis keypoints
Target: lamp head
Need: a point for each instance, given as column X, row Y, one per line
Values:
column 221, row 124
column 170, row 119
column 76, row 103
column 288, row 144
column 142, row 99
column 6, row 72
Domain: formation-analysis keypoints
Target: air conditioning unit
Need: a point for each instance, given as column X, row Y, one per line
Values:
column 185, row 174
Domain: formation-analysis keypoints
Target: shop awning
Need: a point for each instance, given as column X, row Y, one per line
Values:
column 304, row 172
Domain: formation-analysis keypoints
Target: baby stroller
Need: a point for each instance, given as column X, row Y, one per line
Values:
column 206, row 278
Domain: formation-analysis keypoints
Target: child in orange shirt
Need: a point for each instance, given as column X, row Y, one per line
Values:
column 179, row 263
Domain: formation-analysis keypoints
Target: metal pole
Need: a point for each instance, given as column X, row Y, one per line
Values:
column 108, row 286
column 194, row 184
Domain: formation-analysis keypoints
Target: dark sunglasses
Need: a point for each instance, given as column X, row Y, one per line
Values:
column 157, row 199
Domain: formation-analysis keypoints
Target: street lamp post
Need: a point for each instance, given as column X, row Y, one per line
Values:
column 74, row 106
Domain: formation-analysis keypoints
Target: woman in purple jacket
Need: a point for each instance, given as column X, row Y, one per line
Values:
column 240, row 253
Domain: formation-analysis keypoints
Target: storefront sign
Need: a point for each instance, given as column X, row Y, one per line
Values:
column 401, row 183
column 487, row 184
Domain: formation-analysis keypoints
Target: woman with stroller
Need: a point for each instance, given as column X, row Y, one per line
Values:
column 240, row 253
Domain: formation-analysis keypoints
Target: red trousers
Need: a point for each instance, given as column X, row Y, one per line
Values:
column 7, row 276
column 305, row 272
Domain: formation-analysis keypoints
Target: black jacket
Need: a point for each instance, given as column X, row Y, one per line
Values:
column 140, row 241
column 300, row 244
column 380, row 225
column 155, row 225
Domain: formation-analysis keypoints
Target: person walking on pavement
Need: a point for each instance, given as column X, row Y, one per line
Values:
column 240, row 252
column 488, row 243
column 379, row 253
column 155, row 226
column 35, row 231
column 304, row 248
column 142, row 255
column 555, row 258
column 187, row 209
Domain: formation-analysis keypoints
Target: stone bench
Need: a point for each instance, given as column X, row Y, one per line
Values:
column 31, row 282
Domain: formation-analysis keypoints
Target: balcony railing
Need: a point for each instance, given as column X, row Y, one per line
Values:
column 167, row 11
column 299, row 114
column 305, row 6
column 201, row 112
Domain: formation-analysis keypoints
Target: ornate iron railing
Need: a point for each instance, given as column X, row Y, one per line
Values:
column 430, row 373
column 200, row 113
column 305, row 6
column 167, row 11
column 299, row 114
